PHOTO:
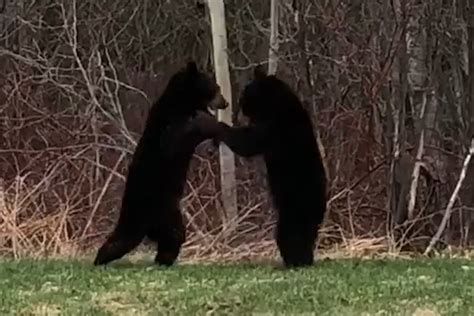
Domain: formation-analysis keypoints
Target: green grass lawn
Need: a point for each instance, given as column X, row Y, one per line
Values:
column 336, row 287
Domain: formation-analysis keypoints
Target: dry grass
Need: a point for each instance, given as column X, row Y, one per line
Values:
column 40, row 233
column 28, row 228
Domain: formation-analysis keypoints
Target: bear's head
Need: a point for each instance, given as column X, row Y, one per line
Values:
column 196, row 90
column 265, row 97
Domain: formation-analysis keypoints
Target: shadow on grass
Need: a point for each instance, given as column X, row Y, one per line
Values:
column 266, row 264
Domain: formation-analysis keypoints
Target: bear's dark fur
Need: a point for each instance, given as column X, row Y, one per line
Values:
column 157, row 174
column 281, row 129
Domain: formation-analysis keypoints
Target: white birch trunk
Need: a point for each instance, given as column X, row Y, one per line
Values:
column 273, row 51
column 221, row 65
column 417, row 79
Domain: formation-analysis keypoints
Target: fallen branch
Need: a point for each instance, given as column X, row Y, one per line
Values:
column 447, row 213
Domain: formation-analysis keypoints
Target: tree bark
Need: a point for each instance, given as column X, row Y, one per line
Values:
column 273, row 51
column 221, row 65
column 469, row 110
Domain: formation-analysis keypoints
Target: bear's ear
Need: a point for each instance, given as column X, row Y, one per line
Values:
column 259, row 72
column 191, row 67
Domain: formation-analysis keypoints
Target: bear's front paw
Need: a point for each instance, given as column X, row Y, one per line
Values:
column 216, row 141
column 206, row 124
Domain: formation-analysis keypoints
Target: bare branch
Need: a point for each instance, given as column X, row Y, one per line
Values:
column 452, row 200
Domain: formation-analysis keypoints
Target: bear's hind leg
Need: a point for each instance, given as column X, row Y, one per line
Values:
column 296, row 241
column 172, row 235
column 124, row 239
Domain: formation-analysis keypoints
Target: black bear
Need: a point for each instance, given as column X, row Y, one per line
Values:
column 281, row 129
column 157, row 173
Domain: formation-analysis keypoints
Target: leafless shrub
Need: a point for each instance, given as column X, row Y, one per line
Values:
column 78, row 77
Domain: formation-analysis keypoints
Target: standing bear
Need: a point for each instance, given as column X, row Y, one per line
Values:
column 281, row 130
column 157, row 173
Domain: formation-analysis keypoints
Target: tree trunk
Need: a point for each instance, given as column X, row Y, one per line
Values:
column 221, row 65
column 400, row 178
column 273, row 51
column 469, row 110
column 417, row 79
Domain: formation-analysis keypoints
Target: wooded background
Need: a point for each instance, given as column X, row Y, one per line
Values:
column 389, row 85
